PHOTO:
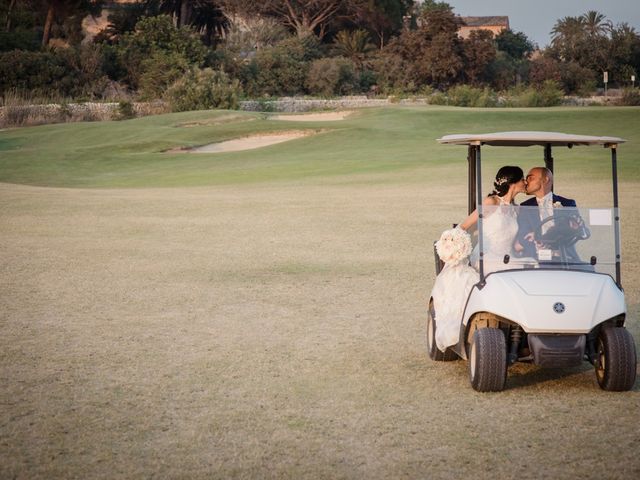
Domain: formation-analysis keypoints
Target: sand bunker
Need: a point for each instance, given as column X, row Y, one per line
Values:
column 246, row 143
column 313, row 117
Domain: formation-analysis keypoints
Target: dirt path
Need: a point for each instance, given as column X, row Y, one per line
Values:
column 252, row 332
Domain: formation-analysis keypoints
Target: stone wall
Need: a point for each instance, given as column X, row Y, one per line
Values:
column 294, row 105
column 24, row 115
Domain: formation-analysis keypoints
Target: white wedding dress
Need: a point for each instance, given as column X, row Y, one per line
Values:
column 453, row 284
column 500, row 227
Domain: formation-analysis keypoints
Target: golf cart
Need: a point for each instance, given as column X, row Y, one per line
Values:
column 559, row 308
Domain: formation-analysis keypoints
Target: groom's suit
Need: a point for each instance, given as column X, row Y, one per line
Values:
column 529, row 220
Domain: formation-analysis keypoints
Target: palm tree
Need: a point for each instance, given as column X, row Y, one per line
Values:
column 354, row 45
column 210, row 20
column 566, row 35
column 595, row 25
column 204, row 16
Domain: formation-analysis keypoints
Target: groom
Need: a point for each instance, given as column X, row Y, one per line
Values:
column 539, row 182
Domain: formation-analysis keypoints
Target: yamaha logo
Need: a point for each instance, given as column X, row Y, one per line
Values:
column 558, row 307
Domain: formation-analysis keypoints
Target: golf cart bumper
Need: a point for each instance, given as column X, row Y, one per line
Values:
column 557, row 350
column 548, row 301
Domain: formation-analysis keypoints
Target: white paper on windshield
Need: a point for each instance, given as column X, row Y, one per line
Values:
column 545, row 255
column 599, row 216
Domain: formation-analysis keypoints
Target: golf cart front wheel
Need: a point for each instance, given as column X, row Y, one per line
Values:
column 616, row 361
column 488, row 360
column 434, row 352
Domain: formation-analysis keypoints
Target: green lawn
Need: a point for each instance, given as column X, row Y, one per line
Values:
column 372, row 145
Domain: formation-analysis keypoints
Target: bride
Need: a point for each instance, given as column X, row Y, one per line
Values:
column 500, row 224
column 454, row 282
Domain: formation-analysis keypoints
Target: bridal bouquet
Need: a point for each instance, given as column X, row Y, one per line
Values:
column 454, row 246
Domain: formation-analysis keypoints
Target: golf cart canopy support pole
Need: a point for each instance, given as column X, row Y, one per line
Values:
column 478, row 179
column 616, row 212
column 548, row 159
column 471, row 198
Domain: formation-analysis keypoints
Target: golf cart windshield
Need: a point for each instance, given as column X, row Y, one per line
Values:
column 561, row 237
column 529, row 237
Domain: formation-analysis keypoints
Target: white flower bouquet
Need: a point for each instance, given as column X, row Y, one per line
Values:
column 454, row 246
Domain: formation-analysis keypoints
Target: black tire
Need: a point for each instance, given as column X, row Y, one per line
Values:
column 434, row 352
column 488, row 360
column 616, row 361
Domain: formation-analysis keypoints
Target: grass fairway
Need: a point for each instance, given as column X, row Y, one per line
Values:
column 261, row 314
column 375, row 141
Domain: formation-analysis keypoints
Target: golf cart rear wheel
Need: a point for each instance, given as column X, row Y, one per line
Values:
column 616, row 360
column 434, row 351
column 488, row 360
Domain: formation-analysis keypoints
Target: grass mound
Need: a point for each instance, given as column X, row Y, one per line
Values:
column 379, row 142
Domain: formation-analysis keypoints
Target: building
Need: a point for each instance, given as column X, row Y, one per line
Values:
column 493, row 24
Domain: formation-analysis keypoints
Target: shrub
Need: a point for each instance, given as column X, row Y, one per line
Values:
column 155, row 37
column 367, row 81
column 487, row 99
column 281, row 70
column 392, row 73
column 438, row 98
column 587, row 88
column 204, row 89
column 630, row 97
column 549, row 94
column 72, row 72
column 576, row 78
column 39, row 73
column 161, row 71
column 125, row 110
column 19, row 39
column 463, row 95
column 331, row 76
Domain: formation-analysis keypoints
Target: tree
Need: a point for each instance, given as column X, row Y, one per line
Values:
column 429, row 5
column 514, row 44
column 282, row 69
column 512, row 59
column 157, row 37
column 205, row 16
column 304, row 17
column 595, row 24
column 69, row 12
column 353, row 45
column 432, row 53
column 20, row 19
column 625, row 53
column 568, row 37
column 478, row 51
column 383, row 18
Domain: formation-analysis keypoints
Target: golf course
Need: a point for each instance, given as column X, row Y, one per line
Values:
column 169, row 312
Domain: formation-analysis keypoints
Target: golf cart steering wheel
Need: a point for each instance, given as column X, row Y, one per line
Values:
column 565, row 231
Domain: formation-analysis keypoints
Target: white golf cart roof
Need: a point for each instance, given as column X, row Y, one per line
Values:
column 527, row 139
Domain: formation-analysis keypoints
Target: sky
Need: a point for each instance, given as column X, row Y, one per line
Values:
column 536, row 18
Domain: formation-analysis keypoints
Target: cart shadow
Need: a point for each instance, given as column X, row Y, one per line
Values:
column 528, row 375
column 583, row 376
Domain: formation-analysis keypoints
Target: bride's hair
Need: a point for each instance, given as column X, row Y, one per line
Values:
column 506, row 177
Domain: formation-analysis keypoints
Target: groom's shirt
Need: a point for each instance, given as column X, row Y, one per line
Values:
column 545, row 209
